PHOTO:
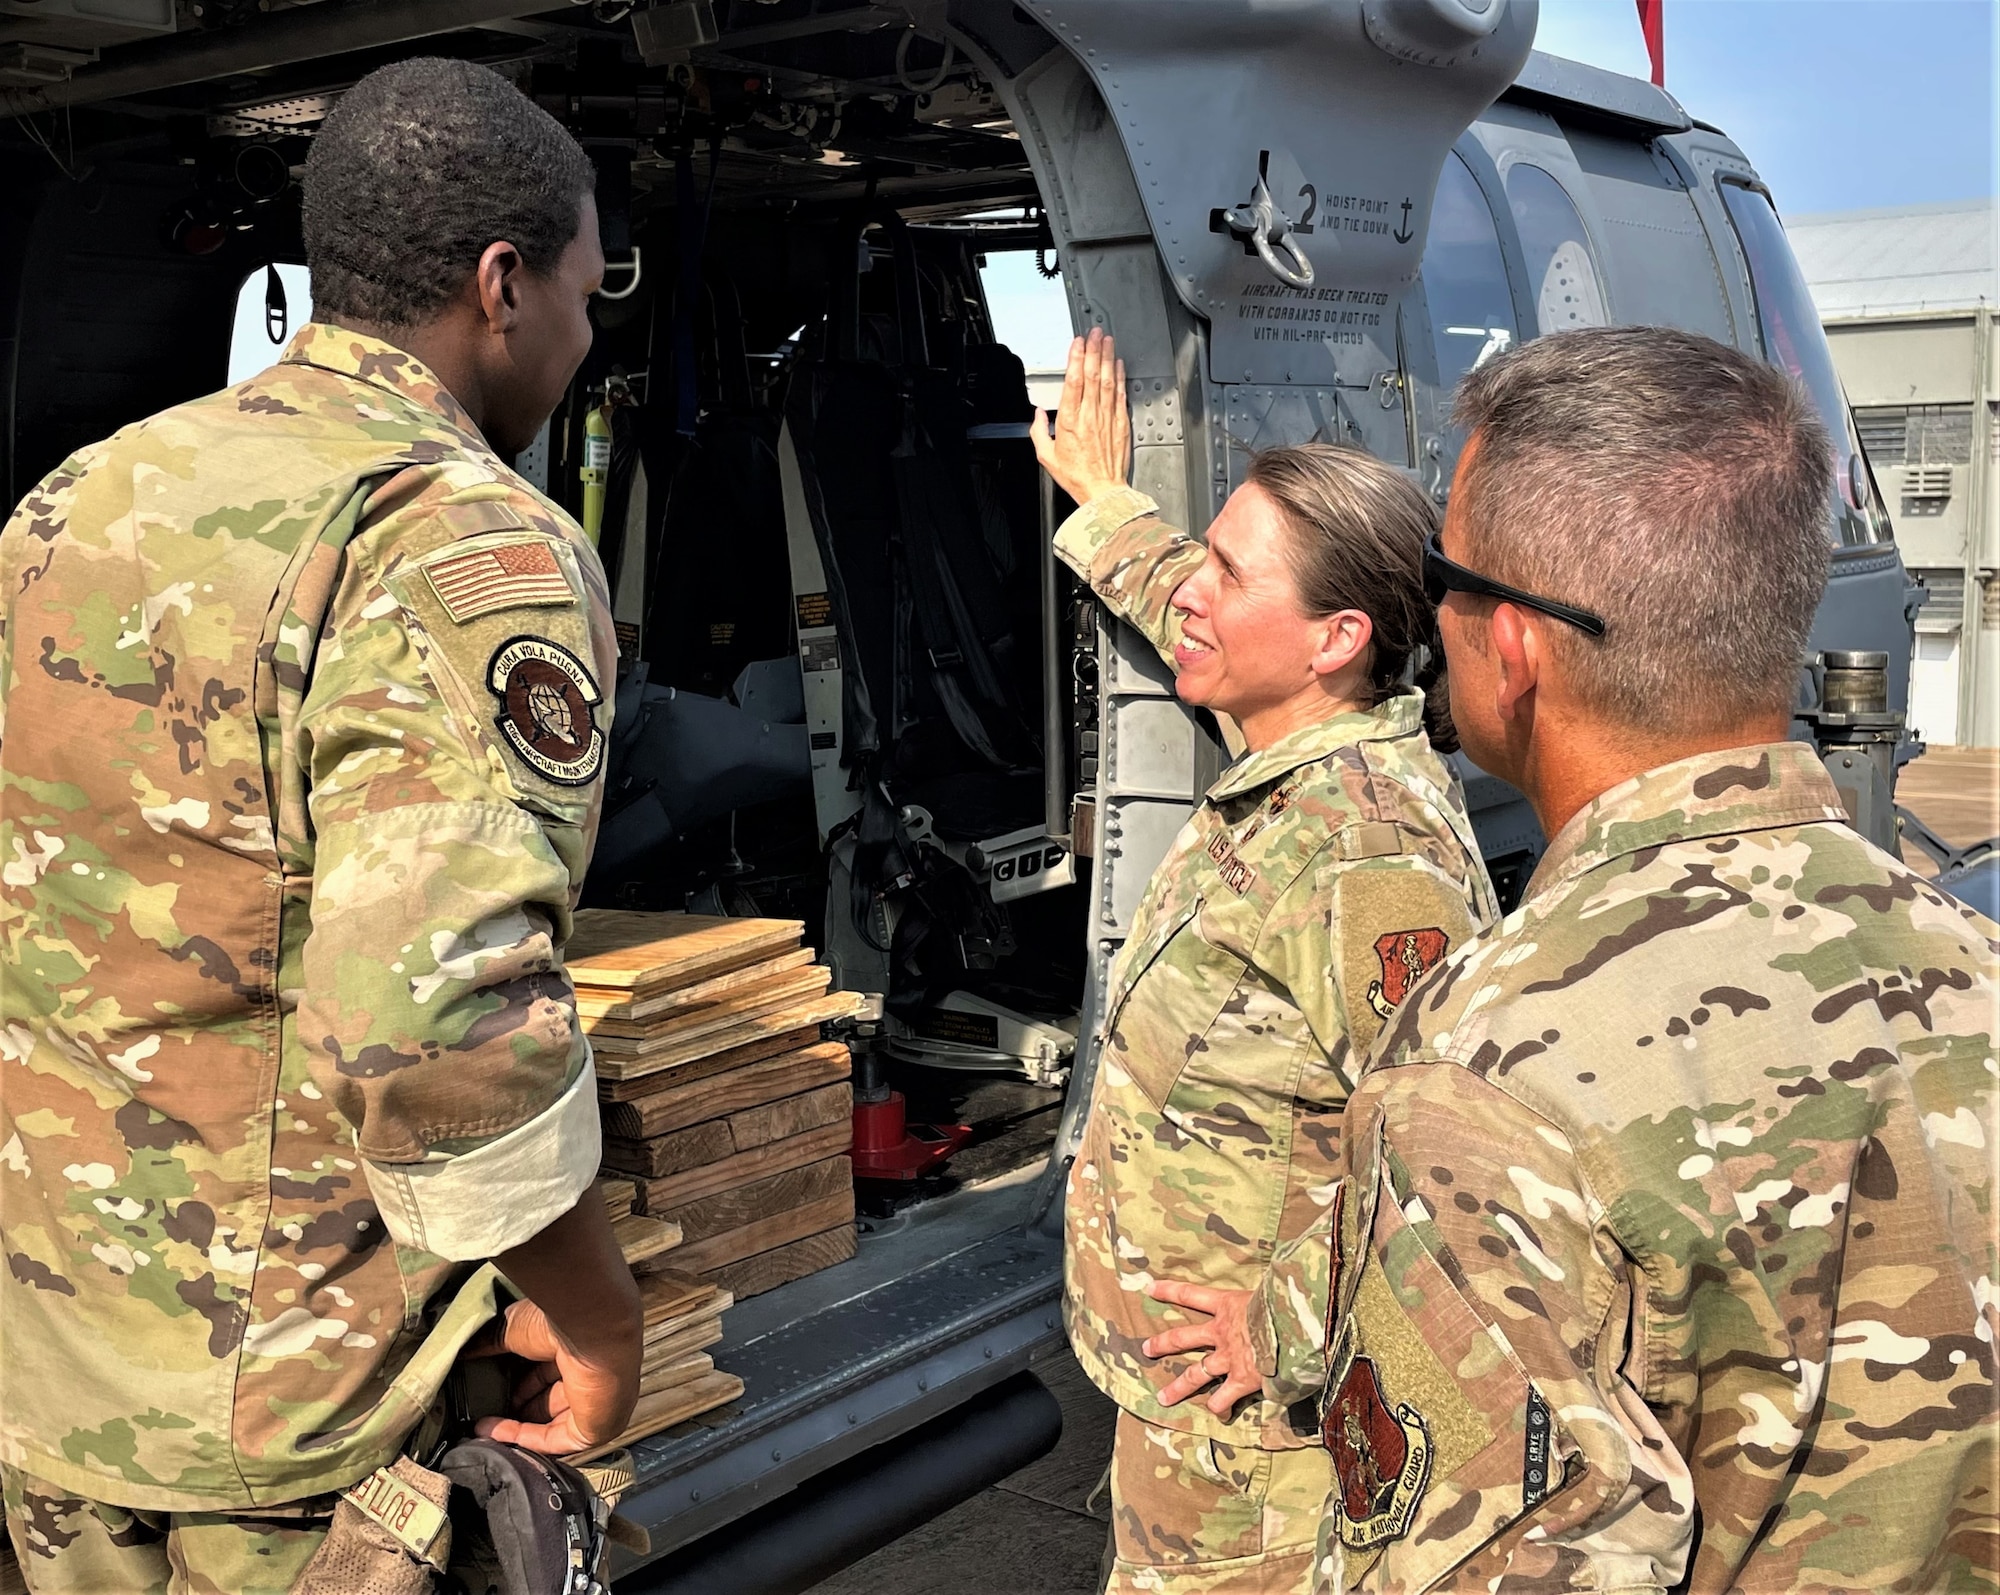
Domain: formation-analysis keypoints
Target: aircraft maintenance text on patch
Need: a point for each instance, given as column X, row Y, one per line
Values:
column 548, row 709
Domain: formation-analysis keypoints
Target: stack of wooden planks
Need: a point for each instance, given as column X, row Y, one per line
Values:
column 677, row 1377
column 722, row 1105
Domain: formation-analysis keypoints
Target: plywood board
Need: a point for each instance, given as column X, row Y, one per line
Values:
column 640, row 1237
column 767, row 1270
column 676, row 1190
column 776, row 1229
column 685, row 1102
column 670, row 1296
column 689, row 1337
column 681, row 1370
column 638, row 1089
column 816, row 1011
column 630, row 1038
column 605, row 1002
column 665, row 1408
column 632, row 951
column 728, row 1210
column 708, row 1310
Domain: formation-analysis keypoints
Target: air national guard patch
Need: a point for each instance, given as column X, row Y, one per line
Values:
column 548, row 709
column 1381, row 1458
column 1406, row 956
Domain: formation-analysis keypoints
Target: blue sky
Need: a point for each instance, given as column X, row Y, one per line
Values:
column 1840, row 104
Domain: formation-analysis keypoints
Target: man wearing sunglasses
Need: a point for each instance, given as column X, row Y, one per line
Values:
column 1664, row 1256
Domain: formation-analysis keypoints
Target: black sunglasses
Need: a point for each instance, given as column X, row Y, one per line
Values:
column 1442, row 575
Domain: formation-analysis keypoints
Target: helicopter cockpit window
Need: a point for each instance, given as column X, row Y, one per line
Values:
column 1030, row 314
column 1465, row 278
column 268, row 312
column 1789, row 325
column 1562, row 271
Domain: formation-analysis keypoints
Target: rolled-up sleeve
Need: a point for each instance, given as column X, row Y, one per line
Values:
column 435, row 1012
column 1133, row 560
column 1291, row 1307
column 480, row 1203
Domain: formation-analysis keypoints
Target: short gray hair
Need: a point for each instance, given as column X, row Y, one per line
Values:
column 1677, row 488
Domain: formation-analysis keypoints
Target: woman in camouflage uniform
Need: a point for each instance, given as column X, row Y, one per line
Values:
column 1317, row 879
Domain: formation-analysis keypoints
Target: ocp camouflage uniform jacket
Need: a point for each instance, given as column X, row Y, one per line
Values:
column 1313, row 882
column 297, row 786
column 1677, row 1194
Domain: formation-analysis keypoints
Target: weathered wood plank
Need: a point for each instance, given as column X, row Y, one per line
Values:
column 754, row 1275
column 684, row 1369
column 689, row 1337
column 619, row 1195
column 665, row 1408
column 692, row 1101
column 728, row 1210
column 789, row 1116
column 669, row 1153
column 640, row 1237
column 774, row 1230
column 671, row 1296
column 676, row 1190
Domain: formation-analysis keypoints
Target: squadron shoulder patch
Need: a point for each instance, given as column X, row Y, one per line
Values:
column 499, row 576
column 548, row 709
column 1406, row 957
column 1381, row 1458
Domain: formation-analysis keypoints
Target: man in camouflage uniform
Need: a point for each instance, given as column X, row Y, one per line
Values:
column 305, row 705
column 1668, row 1256
column 1333, row 859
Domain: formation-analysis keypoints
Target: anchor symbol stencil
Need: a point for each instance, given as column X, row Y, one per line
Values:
column 1405, row 235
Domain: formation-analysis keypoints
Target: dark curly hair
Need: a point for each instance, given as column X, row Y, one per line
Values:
column 419, row 167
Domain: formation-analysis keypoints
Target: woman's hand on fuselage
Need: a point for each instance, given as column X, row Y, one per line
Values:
column 1231, row 1357
column 1089, row 446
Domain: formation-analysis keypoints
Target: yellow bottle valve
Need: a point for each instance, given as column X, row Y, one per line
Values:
column 595, row 473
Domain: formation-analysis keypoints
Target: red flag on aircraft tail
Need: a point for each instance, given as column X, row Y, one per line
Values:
column 1650, row 20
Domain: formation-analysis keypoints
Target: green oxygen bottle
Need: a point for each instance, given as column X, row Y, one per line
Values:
column 595, row 472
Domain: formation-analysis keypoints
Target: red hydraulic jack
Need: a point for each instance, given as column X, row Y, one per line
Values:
column 886, row 1146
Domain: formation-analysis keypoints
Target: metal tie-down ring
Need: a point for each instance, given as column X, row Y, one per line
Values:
column 1268, row 230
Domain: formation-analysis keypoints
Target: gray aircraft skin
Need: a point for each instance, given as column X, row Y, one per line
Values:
column 1300, row 218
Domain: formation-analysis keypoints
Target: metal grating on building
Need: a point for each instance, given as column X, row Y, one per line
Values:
column 1915, row 434
column 1884, row 430
column 1944, row 609
column 1926, row 489
column 1940, row 434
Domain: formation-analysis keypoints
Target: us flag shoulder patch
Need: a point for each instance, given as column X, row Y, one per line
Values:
column 505, row 576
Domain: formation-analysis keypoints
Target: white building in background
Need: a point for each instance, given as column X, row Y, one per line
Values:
column 1909, row 298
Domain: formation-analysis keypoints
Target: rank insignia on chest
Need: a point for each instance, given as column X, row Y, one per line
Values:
column 1406, row 957
column 548, row 709
column 1381, row 1458
column 1236, row 874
